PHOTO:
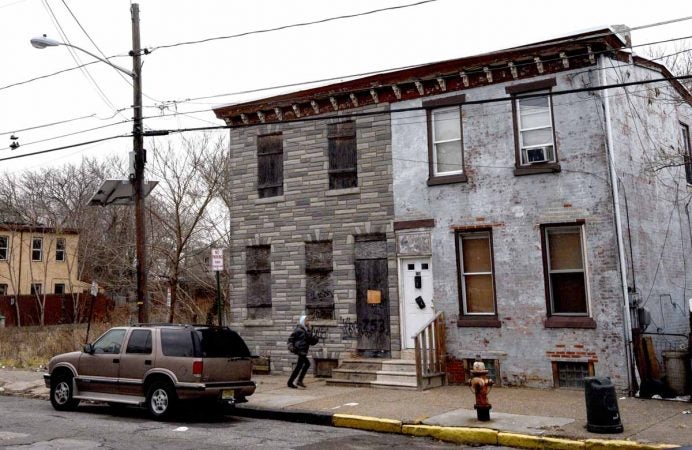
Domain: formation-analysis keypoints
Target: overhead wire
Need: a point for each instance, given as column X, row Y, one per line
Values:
column 189, row 113
column 76, row 58
column 295, row 25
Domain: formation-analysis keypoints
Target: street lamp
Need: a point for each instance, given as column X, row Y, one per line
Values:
column 137, row 179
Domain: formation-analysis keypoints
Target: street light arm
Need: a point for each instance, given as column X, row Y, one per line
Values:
column 43, row 42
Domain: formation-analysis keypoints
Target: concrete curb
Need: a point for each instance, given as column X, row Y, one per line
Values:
column 458, row 435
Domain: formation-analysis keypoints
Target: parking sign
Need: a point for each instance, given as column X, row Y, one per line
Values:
column 217, row 259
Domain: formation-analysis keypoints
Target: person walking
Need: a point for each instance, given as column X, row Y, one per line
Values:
column 299, row 343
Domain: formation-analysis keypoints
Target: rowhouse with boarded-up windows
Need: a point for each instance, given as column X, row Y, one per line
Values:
column 505, row 191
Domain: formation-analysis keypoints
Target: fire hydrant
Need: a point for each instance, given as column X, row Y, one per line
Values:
column 480, row 385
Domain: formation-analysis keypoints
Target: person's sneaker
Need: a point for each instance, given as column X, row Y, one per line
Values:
column 300, row 383
column 292, row 386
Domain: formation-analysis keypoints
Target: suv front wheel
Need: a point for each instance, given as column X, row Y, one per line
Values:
column 161, row 399
column 61, row 394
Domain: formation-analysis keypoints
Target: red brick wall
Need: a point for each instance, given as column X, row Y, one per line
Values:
column 58, row 309
column 455, row 370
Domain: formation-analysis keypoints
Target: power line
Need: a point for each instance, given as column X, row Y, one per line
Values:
column 80, row 144
column 76, row 58
column 295, row 25
column 46, row 125
column 368, row 114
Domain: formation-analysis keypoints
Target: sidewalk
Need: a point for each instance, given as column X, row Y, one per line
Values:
column 519, row 418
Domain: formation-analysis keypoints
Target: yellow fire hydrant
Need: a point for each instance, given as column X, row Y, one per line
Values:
column 480, row 385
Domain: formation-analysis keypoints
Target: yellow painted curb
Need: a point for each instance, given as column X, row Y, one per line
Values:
column 606, row 444
column 366, row 423
column 563, row 444
column 519, row 440
column 457, row 435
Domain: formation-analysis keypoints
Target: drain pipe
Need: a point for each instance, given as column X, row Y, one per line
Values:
column 618, row 225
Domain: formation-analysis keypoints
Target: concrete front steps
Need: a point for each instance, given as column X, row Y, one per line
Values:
column 380, row 373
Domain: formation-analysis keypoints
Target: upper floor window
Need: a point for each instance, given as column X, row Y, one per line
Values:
column 37, row 249
column 565, row 270
column 686, row 150
column 60, row 249
column 445, row 140
column 4, row 247
column 270, row 165
column 343, row 157
column 476, row 278
column 59, row 289
column 534, row 138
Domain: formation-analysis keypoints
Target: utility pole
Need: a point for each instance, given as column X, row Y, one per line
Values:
column 139, row 161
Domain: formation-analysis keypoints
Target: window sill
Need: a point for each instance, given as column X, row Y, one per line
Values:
column 569, row 322
column 258, row 322
column 479, row 321
column 264, row 201
column 537, row 168
column 337, row 192
column 447, row 179
column 324, row 323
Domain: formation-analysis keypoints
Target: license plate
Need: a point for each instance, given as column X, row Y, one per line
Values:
column 227, row 394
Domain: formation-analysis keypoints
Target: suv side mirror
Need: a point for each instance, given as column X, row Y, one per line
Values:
column 88, row 348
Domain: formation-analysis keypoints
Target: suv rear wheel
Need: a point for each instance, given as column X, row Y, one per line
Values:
column 161, row 399
column 61, row 394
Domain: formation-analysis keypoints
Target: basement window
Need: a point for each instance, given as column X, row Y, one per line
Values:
column 570, row 375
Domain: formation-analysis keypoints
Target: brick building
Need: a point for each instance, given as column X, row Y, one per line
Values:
column 483, row 187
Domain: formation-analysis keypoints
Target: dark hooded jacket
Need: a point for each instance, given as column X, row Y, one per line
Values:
column 302, row 339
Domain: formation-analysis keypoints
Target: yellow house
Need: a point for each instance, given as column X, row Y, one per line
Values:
column 38, row 260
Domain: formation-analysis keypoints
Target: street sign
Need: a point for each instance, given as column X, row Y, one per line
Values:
column 217, row 259
column 94, row 288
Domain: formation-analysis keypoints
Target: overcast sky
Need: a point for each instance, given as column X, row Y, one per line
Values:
column 175, row 78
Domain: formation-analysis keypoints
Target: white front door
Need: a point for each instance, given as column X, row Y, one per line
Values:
column 417, row 293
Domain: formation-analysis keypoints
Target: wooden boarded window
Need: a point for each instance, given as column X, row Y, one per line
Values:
column 270, row 165
column 258, row 270
column 475, row 263
column 319, row 288
column 343, row 158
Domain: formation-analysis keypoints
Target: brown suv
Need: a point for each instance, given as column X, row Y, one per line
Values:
column 156, row 365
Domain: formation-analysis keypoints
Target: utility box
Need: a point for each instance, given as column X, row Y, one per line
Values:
column 602, row 412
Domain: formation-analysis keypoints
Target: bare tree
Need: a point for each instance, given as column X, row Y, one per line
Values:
column 189, row 180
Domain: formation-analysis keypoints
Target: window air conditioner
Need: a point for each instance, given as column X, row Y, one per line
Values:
column 536, row 155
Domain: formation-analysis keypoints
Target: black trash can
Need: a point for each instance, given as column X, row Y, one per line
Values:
column 602, row 413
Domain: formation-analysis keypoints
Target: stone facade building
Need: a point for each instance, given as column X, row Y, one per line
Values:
column 536, row 195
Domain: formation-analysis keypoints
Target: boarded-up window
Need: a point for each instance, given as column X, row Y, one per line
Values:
column 343, row 158
column 475, row 262
column 566, row 277
column 270, row 165
column 258, row 271
column 319, row 289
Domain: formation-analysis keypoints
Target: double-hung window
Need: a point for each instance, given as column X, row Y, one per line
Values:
column 476, row 278
column 567, row 288
column 270, row 165
column 60, row 249
column 445, row 140
column 534, row 132
column 535, row 125
column 37, row 249
column 4, row 247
